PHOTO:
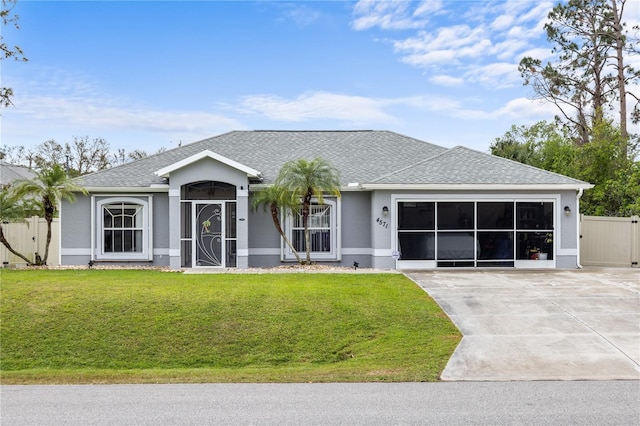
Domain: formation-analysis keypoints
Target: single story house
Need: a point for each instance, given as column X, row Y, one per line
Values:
column 405, row 204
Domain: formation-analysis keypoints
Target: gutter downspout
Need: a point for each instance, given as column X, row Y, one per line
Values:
column 580, row 192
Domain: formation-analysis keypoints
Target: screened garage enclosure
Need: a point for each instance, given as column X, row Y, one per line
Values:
column 475, row 233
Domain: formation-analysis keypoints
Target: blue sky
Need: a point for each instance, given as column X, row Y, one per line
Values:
column 149, row 74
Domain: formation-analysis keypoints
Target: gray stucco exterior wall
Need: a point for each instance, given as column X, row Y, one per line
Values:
column 76, row 228
column 367, row 234
column 355, row 232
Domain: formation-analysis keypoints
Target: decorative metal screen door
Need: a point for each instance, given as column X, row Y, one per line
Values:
column 208, row 233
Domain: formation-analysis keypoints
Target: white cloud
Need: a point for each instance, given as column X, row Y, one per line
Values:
column 538, row 13
column 317, row 106
column 523, row 109
column 502, row 22
column 497, row 75
column 446, row 80
column 393, row 15
column 301, row 14
column 520, row 110
column 64, row 105
column 448, row 45
column 84, row 112
column 428, row 7
column 538, row 53
column 483, row 45
column 426, row 102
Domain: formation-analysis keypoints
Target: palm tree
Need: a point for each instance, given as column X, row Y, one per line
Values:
column 11, row 210
column 307, row 180
column 276, row 197
column 48, row 188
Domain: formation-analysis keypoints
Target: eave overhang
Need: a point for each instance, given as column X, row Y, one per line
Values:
column 474, row 187
column 156, row 188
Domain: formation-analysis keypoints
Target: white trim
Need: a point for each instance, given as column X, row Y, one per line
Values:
column 93, row 227
column 535, row 264
column 470, row 197
column 578, row 230
column 382, row 252
column 166, row 171
column 242, row 252
column 416, row 264
column 260, row 251
column 174, row 252
column 475, row 187
column 150, row 227
column 147, row 230
column 342, row 188
column 119, row 190
column 335, row 229
column 527, row 197
column 161, row 252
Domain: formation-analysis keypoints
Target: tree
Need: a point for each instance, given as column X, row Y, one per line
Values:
column 276, row 197
column 307, row 180
column 137, row 154
column 524, row 143
column 7, row 51
column 601, row 162
column 11, row 210
column 79, row 157
column 48, row 188
column 85, row 156
column 590, row 41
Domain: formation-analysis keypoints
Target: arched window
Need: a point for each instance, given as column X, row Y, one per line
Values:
column 123, row 225
column 208, row 190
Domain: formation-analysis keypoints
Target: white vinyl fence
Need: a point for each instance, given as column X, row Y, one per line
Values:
column 610, row 241
column 30, row 238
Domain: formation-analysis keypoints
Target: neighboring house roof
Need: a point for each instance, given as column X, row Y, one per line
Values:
column 366, row 157
column 10, row 173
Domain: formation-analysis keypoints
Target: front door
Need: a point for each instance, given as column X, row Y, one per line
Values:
column 209, row 235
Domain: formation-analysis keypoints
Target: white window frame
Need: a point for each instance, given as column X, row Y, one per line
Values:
column 334, row 229
column 145, row 202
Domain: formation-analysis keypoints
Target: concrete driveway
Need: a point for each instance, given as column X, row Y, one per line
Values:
column 541, row 325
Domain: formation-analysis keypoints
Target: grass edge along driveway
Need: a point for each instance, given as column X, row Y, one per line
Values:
column 141, row 326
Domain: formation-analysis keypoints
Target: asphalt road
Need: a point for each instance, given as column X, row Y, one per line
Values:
column 450, row 403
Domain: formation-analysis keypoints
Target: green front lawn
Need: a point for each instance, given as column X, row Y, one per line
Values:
column 141, row 326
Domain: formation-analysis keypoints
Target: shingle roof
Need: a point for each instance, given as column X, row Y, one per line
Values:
column 360, row 156
column 10, row 173
column 460, row 165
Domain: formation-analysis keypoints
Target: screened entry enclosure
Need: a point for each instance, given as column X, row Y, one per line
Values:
column 208, row 236
column 474, row 233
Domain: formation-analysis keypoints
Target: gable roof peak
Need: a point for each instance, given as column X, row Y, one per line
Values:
column 166, row 171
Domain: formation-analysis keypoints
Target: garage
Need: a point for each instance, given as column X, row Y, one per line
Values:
column 467, row 233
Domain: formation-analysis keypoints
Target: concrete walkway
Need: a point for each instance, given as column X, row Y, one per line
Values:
column 541, row 325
